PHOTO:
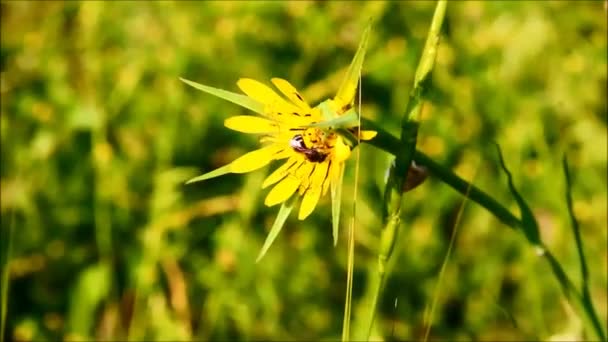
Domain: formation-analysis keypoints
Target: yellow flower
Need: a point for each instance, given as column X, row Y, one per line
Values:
column 315, row 156
column 311, row 139
column 314, row 141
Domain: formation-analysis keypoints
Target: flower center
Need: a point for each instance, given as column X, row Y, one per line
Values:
column 316, row 144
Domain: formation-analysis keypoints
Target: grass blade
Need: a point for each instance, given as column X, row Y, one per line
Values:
column 528, row 222
column 575, row 227
column 241, row 100
column 431, row 312
column 284, row 212
column 346, row 92
column 593, row 322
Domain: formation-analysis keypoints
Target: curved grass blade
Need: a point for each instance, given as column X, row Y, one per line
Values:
column 241, row 100
column 592, row 320
column 575, row 227
column 284, row 212
column 528, row 222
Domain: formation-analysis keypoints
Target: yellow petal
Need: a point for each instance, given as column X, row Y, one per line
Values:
column 303, row 173
column 250, row 124
column 278, row 174
column 290, row 92
column 313, row 193
column 275, row 106
column 285, row 153
column 341, row 151
column 264, row 94
column 367, row 135
column 257, row 90
column 327, row 181
column 282, row 191
column 254, row 160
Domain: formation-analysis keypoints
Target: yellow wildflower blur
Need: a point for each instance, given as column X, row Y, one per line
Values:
column 289, row 129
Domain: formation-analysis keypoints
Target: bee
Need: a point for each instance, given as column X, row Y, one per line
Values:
column 312, row 154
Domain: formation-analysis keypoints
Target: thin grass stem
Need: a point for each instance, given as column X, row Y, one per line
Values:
column 6, row 258
column 390, row 144
column 593, row 320
column 429, row 318
column 351, row 234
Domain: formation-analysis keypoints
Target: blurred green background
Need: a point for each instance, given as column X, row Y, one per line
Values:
column 98, row 136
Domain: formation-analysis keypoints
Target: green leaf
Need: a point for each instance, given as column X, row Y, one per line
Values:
column 91, row 288
column 211, row 174
column 284, row 212
column 528, row 222
column 336, row 201
column 349, row 119
column 241, row 100
column 348, row 87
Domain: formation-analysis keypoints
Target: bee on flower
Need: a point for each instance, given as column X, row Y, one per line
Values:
column 315, row 141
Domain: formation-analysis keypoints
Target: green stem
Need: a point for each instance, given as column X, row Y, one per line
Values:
column 6, row 258
column 387, row 142
column 581, row 301
column 393, row 193
column 404, row 150
column 592, row 319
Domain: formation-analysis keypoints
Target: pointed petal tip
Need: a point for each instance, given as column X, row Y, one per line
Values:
column 302, row 215
column 368, row 135
column 197, row 179
column 260, row 256
column 193, row 180
column 187, row 81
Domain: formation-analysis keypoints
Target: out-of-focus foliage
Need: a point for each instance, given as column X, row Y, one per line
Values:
column 98, row 135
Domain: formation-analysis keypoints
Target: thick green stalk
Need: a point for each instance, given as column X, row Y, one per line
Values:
column 580, row 301
column 389, row 143
column 393, row 193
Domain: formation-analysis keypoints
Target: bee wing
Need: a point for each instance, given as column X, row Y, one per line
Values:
column 348, row 87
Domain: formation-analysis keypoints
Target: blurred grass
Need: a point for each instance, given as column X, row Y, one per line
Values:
column 98, row 135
